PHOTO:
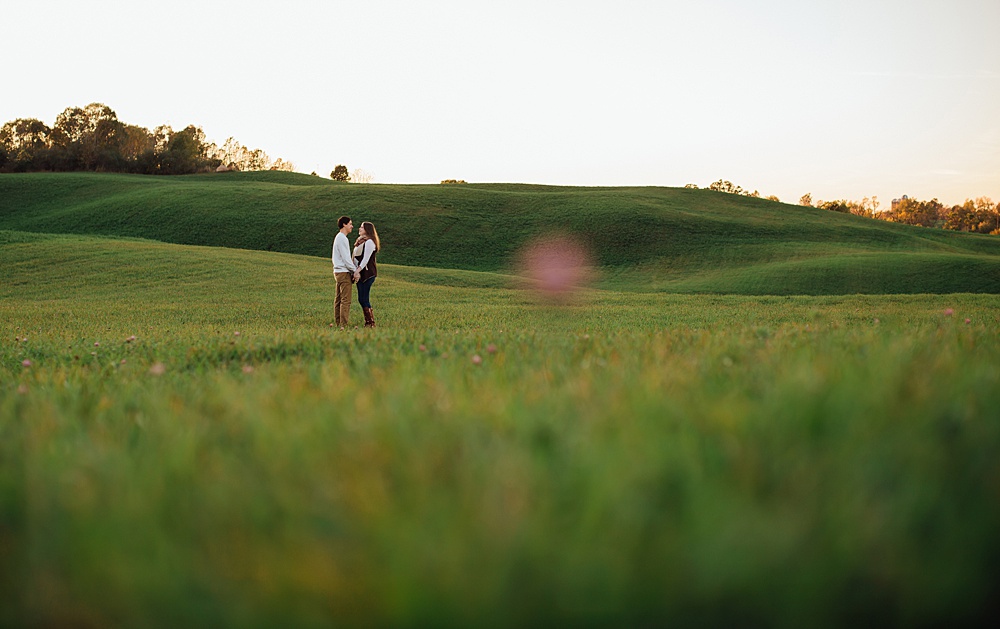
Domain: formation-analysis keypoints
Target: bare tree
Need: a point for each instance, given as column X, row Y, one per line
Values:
column 232, row 154
column 867, row 207
column 726, row 186
column 258, row 160
column 729, row 187
column 361, row 176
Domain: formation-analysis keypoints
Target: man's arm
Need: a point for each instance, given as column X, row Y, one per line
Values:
column 342, row 254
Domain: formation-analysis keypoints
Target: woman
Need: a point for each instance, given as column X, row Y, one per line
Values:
column 365, row 248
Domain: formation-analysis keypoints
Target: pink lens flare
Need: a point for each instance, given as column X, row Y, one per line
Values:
column 556, row 267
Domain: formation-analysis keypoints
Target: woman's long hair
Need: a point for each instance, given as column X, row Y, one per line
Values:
column 372, row 235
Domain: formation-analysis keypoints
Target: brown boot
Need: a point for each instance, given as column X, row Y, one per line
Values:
column 369, row 317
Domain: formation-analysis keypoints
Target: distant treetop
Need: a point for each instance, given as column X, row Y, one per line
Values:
column 339, row 173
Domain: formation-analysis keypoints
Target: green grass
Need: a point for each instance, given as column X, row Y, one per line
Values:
column 648, row 239
column 630, row 459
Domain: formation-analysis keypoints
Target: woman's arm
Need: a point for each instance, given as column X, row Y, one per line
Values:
column 369, row 250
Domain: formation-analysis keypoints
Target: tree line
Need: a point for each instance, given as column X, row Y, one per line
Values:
column 979, row 216
column 92, row 138
column 729, row 187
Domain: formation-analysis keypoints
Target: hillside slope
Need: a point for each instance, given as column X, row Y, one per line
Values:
column 667, row 239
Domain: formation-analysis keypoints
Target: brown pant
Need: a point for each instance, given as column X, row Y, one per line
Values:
column 342, row 304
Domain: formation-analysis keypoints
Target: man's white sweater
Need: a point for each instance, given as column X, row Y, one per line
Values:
column 342, row 260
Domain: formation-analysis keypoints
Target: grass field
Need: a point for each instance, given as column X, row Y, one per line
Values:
column 644, row 239
column 185, row 441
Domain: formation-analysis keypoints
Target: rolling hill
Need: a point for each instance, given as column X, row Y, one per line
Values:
column 642, row 238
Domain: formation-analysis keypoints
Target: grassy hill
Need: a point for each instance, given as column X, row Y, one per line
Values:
column 647, row 239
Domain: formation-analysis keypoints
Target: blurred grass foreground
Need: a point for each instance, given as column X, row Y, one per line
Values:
column 782, row 474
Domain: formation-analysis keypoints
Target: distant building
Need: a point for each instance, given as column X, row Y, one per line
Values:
column 896, row 202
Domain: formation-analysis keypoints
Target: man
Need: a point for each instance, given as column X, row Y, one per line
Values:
column 344, row 270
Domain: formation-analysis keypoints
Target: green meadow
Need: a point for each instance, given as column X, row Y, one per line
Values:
column 642, row 239
column 755, row 415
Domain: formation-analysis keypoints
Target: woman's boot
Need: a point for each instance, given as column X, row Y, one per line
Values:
column 369, row 317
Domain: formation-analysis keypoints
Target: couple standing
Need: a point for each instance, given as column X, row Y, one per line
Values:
column 359, row 268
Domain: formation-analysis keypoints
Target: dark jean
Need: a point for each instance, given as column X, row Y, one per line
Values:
column 364, row 292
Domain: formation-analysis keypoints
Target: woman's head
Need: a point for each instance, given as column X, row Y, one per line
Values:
column 367, row 230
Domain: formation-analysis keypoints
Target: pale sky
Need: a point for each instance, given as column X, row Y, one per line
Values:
column 840, row 98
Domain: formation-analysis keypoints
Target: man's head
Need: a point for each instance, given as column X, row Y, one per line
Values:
column 345, row 225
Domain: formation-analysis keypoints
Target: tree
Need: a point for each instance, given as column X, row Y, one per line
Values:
column 731, row 188
column 70, row 125
column 339, row 173
column 280, row 164
column 138, row 149
column 235, row 156
column 961, row 217
column 161, row 135
column 361, row 176
column 230, row 154
column 257, row 159
column 806, row 199
column 726, row 186
column 972, row 216
column 913, row 212
column 185, row 152
column 98, row 129
column 26, row 142
column 988, row 216
column 107, row 146
column 867, row 207
column 835, row 206
column 66, row 135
